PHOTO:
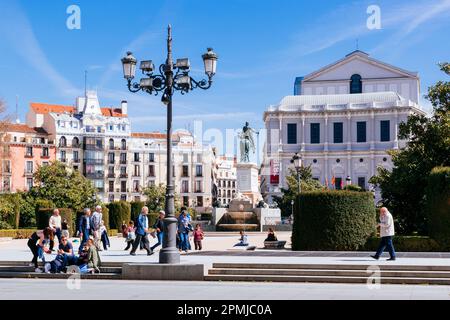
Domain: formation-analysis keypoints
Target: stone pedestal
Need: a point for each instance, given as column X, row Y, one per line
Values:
column 247, row 181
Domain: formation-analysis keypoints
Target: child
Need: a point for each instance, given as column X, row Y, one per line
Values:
column 104, row 236
column 198, row 237
column 131, row 235
column 65, row 229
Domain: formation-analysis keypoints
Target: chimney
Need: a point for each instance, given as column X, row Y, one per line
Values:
column 124, row 107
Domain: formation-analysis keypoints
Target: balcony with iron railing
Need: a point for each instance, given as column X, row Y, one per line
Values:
column 99, row 162
column 95, row 175
column 111, row 175
column 123, row 175
column 94, row 147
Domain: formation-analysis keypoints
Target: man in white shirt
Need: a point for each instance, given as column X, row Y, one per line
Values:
column 55, row 224
column 97, row 218
column 387, row 232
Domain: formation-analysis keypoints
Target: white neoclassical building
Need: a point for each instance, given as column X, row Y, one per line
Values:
column 342, row 120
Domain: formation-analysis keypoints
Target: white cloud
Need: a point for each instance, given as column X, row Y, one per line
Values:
column 16, row 30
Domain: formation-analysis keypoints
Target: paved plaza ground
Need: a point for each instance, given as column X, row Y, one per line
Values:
column 216, row 249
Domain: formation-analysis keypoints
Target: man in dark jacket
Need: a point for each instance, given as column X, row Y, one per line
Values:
column 159, row 227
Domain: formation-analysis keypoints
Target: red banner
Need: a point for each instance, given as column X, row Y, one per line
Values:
column 274, row 172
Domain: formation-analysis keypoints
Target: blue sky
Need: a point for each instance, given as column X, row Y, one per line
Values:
column 263, row 46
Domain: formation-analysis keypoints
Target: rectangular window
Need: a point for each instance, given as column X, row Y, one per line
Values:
column 29, row 183
column 137, row 171
column 151, row 183
column 29, row 167
column 185, row 186
column 315, row 133
column 123, row 158
column 185, row 171
column 199, row 201
column 361, row 132
column 151, row 157
column 199, row 158
column 151, row 171
column 185, row 158
column 123, row 197
column 198, row 187
column 199, row 171
column 111, row 198
column 292, row 133
column 29, row 152
column 45, row 152
column 338, row 132
column 338, row 184
column 136, row 157
column 6, row 166
column 111, row 186
column 385, row 131
column 136, row 186
column 186, row 201
column 123, row 186
column 362, row 183
column 63, row 156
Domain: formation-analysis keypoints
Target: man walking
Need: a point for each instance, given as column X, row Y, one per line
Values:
column 387, row 231
column 159, row 227
column 97, row 218
column 55, row 224
column 85, row 227
column 141, row 232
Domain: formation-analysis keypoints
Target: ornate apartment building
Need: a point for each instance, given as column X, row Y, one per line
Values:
column 342, row 120
column 24, row 149
column 100, row 144
column 225, row 179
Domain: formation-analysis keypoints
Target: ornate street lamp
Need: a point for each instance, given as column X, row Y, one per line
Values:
column 171, row 77
column 297, row 162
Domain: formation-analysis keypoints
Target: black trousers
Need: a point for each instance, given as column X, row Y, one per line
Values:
column 58, row 235
column 34, row 249
column 138, row 240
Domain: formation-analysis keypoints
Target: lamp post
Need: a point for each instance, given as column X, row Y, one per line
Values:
column 171, row 77
column 297, row 162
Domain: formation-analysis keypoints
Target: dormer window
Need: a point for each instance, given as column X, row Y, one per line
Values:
column 355, row 84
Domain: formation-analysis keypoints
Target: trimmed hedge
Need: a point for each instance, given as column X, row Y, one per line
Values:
column 437, row 205
column 136, row 208
column 407, row 244
column 118, row 212
column 17, row 234
column 333, row 220
column 43, row 216
column 105, row 215
column 11, row 206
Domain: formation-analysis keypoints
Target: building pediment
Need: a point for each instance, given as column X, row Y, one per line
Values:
column 358, row 63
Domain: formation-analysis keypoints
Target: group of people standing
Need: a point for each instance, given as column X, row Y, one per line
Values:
column 136, row 233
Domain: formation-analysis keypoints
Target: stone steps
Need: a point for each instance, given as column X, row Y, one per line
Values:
column 329, row 273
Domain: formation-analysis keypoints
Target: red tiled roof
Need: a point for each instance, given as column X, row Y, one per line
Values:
column 44, row 108
column 149, row 135
column 23, row 128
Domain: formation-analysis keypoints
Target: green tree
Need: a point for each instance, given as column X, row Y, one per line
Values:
column 66, row 188
column 403, row 189
column 156, row 198
column 290, row 194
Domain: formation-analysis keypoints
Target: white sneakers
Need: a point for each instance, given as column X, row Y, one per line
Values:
column 38, row 270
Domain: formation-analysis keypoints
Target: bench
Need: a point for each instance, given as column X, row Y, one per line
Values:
column 274, row 244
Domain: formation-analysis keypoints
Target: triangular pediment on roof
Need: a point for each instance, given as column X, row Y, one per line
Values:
column 358, row 62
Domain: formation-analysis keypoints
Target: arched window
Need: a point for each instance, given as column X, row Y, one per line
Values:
column 111, row 144
column 124, row 144
column 76, row 142
column 63, row 142
column 356, row 84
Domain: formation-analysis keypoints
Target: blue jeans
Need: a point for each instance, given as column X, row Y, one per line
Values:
column 160, row 240
column 386, row 242
column 184, row 241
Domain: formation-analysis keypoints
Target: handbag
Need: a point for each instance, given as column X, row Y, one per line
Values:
column 131, row 236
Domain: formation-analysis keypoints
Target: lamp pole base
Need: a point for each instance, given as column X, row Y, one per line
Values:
column 169, row 256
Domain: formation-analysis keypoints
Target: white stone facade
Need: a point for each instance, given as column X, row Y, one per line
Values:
column 226, row 182
column 338, row 133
